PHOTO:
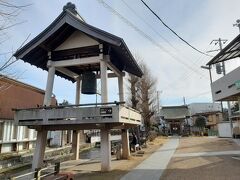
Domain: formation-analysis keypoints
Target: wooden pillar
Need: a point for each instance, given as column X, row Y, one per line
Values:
column 105, row 132
column 75, row 144
column 42, row 134
column 78, row 90
column 120, row 87
column 104, row 83
column 39, row 149
column 76, row 133
column 49, row 87
column 125, row 144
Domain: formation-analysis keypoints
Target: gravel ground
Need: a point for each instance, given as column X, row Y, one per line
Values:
column 203, row 168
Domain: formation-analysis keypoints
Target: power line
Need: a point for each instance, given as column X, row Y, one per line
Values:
column 143, row 34
column 125, row 20
column 173, row 30
column 152, row 28
column 149, row 25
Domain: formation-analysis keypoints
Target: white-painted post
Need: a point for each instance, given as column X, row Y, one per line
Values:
column 120, row 87
column 105, row 132
column 76, row 133
column 49, row 87
column 125, row 144
column 78, row 90
column 104, row 83
column 75, row 144
column 42, row 134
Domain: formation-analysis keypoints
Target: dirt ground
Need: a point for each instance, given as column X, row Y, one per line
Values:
column 91, row 170
column 205, row 144
column 203, row 168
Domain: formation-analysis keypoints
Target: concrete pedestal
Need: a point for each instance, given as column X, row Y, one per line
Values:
column 39, row 149
column 105, row 150
column 125, row 144
column 75, row 144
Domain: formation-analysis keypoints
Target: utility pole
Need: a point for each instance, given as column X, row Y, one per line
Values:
column 184, row 101
column 237, row 24
column 220, row 41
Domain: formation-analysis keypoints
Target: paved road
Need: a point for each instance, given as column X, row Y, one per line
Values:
column 204, row 159
column 153, row 167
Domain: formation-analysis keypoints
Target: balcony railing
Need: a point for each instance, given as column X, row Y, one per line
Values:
column 77, row 114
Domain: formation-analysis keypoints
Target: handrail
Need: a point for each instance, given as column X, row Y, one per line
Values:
column 73, row 105
column 37, row 172
column 23, row 175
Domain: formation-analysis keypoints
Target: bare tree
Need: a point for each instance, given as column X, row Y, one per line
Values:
column 133, row 88
column 9, row 12
column 141, row 95
column 147, row 97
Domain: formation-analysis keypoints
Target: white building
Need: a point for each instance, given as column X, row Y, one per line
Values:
column 227, row 88
column 196, row 108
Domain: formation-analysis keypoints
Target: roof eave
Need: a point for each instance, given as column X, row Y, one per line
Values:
column 140, row 72
column 59, row 21
column 213, row 60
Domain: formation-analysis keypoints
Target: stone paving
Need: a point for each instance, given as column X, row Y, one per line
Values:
column 153, row 167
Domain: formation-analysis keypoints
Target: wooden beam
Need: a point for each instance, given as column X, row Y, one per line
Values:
column 82, row 126
column 110, row 75
column 67, row 72
column 111, row 66
column 76, row 62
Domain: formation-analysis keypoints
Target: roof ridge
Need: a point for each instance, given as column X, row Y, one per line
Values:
column 21, row 83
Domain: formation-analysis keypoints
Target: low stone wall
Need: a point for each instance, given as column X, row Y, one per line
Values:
column 9, row 162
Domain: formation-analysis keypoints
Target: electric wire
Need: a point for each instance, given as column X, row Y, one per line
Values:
column 172, row 84
column 173, row 30
column 153, row 29
column 125, row 20
column 149, row 25
column 143, row 34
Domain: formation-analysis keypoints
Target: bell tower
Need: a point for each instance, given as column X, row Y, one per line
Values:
column 80, row 53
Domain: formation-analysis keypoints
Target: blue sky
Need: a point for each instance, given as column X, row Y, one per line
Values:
column 197, row 21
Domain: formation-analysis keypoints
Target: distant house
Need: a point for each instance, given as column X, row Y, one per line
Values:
column 211, row 111
column 15, row 94
column 175, row 117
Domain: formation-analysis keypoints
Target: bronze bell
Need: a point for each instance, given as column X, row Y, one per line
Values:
column 89, row 83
